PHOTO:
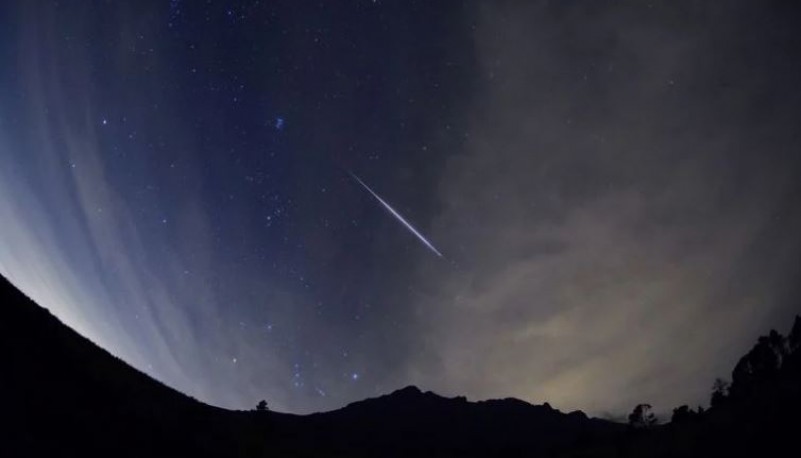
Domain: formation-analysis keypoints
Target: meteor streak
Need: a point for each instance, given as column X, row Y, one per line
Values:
column 397, row 216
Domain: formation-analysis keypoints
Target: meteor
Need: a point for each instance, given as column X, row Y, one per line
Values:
column 397, row 216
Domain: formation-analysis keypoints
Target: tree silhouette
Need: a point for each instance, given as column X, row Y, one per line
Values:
column 778, row 344
column 792, row 363
column 642, row 417
column 794, row 339
column 720, row 390
column 759, row 365
column 262, row 406
column 681, row 414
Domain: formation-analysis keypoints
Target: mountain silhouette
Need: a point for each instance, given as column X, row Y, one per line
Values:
column 410, row 421
column 65, row 396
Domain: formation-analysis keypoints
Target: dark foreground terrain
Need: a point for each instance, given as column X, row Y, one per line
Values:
column 64, row 396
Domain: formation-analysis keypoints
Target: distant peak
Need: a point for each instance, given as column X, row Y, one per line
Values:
column 408, row 390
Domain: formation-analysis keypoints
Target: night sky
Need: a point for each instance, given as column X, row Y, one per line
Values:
column 613, row 187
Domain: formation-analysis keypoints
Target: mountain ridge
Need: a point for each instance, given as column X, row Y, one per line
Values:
column 66, row 388
column 63, row 395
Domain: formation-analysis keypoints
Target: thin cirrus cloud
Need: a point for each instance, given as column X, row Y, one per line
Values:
column 71, row 242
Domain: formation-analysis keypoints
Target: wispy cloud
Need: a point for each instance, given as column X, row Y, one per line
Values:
column 616, row 207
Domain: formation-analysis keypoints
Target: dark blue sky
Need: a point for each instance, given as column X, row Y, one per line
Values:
column 604, row 181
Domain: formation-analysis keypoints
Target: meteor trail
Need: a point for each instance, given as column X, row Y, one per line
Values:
column 397, row 216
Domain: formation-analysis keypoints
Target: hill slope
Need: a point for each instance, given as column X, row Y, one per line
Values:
column 65, row 396
column 62, row 393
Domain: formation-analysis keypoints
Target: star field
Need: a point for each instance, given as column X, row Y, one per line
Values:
column 177, row 184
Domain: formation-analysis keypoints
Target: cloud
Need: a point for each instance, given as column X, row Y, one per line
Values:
column 77, row 243
column 614, row 209
column 619, row 225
